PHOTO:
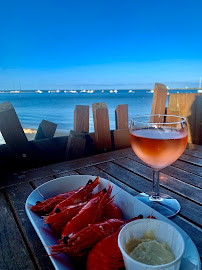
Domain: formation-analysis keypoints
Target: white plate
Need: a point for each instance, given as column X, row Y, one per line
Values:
column 131, row 207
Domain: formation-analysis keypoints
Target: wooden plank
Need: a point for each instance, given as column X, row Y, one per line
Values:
column 198, row 123
column 184, row 176
column 193, row 153
column 66, row 174
column 170, row 111
column 39, row 182
column 194, row 169
column 101, row 127
column 192, row 231
column 48, row 151
column 17, row 196
column 178, row 173
column 75, row 145
column 121, row 116
column 50, row 170
column 166, row 181
column 193, row 160
column 12, row 132
column 81, row 118
column 188, row 110
column 124, row 174
column 90, row 146
column 45, row 130
column 173, row 107
column 121, row 138
column 194, row 147
column 13, row 252
column 80, row 145
column 189, row 105
column 38, row 153
column 10, row 126
column 159, row 101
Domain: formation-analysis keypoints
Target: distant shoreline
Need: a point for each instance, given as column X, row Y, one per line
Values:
column 96, row 90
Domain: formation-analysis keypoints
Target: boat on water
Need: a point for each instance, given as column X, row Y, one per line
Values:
column 39, row 91
column 111, row 91
column 200, row 90
column 83, row 91
column 14, row 92
column 54, row 91
column 131, row 91
column 90, row 91
column 115, row 91
column 73, row 91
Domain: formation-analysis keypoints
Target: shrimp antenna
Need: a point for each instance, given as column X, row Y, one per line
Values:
column 151, row 215
column 124, row 185
column 40, row 193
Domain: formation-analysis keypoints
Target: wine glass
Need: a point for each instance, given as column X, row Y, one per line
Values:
column 159, row 140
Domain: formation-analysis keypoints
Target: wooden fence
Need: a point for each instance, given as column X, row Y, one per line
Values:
column 20, row 153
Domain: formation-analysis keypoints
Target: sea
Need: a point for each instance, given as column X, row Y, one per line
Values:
column 58, row 106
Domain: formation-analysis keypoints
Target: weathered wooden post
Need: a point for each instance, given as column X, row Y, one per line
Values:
column 101, row 127
column 188, row 105
column 75, row 144
column 81, row 118
column 45, row 130
column 121, row 116
column 121, row 133
column 80, row 142
column 12, row 132
column 159, row 101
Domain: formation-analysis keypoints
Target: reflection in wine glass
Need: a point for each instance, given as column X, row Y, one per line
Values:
column 159, row 140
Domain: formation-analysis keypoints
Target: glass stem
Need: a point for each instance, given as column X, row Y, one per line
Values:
column 155, row 190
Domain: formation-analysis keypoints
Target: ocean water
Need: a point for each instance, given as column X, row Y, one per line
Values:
column 58, row 107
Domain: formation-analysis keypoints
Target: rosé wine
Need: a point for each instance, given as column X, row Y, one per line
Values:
column 158, row 148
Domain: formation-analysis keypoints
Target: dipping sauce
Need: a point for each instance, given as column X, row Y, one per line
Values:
column 148, row 250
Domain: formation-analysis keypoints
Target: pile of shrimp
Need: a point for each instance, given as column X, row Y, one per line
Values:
column 87, row 225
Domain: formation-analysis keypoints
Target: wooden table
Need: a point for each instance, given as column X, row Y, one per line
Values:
column 20, row 246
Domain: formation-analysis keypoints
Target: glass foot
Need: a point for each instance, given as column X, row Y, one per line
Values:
column 165, row 205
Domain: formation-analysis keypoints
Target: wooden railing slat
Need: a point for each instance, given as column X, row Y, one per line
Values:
column 13, row 133
column 10, row 126
column 159, row 100
column 198, row 123
column 101, row 127
column 80, row 144
column 121, row 116
column 45, row 130
column 75, row 145
column 189, row 105
column 121, row 138
column 81, row 118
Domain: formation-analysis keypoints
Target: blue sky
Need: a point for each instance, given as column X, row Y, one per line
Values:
column 95, row 44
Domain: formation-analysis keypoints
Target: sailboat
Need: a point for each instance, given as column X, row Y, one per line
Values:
column 200, row 90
